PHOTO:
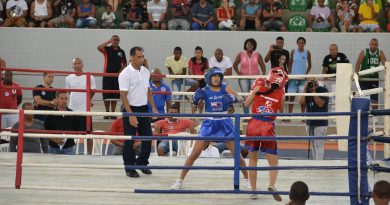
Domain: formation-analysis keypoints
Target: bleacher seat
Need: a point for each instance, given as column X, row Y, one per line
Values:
column 297, row 23
column 297, row 5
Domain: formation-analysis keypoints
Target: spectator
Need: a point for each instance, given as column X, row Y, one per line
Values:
column 34, row 145
column 354, row 5
column 368, row 15
column 222, row 62
column 16, row 12
column 345, row 17
column 157, row 10
column 117, row 126
column 202, row 16
column 387, row 15
column 329, row 64
column 67, row 11
column 62, row 123
column 225, row 16
column 172, row 125
column 177, row 65
column 132, row 14
column 113, row 4
column 114, row 62
column 108, row 18
column 180, row 10
column 40, row 13
column 315, row 127
column 1, row 13
column 249, row 60
column 86, row 13
column 77, row 100
column 272, row 16
column 275, row 51
column 143, row 4
column 161, row 101
column 10, row 99
column 2, row 63
column 299, row 193
column 43, row 99
column 197, row 65
column 132, row 81
column 250, row 16
column 320, row 18
column 381, row 193
column 370, row 58
column 300, row 64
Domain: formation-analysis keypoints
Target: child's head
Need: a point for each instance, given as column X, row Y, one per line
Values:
column 345, row 4
column 108, row 8
column 381, row 192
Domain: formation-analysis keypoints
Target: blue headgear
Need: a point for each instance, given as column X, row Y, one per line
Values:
column 211, row 72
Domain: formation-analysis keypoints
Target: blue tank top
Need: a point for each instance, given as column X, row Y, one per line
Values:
column 213, row 100
column 299, row 65
column 86, row 9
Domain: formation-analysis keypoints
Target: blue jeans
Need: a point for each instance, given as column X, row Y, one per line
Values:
column 68, row 151
column 245, row 86
column 196, row 26
column 177, row 83
column 164, row 144
column 85, row 23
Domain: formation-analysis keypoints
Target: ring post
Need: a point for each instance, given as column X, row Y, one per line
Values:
column 387, row 106
column 358, row 181
column 237, row 152
column 19, row 157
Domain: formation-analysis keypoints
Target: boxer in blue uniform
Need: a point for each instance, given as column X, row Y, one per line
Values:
column 217, row 97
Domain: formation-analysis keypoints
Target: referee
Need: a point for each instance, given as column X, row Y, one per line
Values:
column 135, row 95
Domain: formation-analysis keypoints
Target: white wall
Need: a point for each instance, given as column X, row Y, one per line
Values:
column 55, row 48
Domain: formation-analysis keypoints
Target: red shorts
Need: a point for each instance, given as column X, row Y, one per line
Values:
column 261, row 128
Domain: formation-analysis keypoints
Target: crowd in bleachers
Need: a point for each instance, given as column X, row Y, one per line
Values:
column 260, row 15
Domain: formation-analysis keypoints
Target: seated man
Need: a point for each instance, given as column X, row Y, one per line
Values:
column 320, row 18
column 250, row 16
column 40, row 13
column 368, row 14
column 157, row 10
column 381, row 193
column 34, row 145
column 202, row 16
column 272, row 16
column 132, row 13
column 172, row 125
column 299, row 193
column 86, row 15
column 161, row 101
column 67, row 11
column 117, row 127
column 180, row 10
column 16, row 12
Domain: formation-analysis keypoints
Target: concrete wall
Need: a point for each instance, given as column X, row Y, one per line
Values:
column 55, row 48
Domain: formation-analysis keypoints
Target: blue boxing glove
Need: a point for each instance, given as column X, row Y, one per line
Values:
column 227, row 100
column 198, row 96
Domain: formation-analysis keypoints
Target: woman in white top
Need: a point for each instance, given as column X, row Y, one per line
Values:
column 40, row 13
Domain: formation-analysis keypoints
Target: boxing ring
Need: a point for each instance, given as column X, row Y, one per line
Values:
column 354, row 184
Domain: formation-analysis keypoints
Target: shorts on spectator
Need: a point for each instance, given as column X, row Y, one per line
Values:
column 321, row 26
column 20, row 22
column 164, row 144
column 368, row 27
column 221, row 146
column 250, row 25
column 273, row 24
column 365, row 85
column 130, row 25
column 86, row 22
column 37, row 23
column 296, row 86
column 110, row 83
column 178, row 24
column 61, row 20
column 150, row 25
column 352, row 26
column 108, row 25
column 68, row 151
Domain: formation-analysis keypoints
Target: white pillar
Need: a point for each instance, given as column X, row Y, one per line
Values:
column 344, row 74
column 387, row 106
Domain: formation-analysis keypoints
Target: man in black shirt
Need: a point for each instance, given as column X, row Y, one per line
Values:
column 330, row 62
column 114, row 62
column 44, row 100
column 315, row 127
column 274, row 53
column 63, row 123
column 65, row 12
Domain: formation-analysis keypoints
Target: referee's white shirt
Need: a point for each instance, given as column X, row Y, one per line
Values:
column 136, row 82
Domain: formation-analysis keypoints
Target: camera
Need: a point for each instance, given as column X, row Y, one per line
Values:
column 275, row 47
column 310, row 85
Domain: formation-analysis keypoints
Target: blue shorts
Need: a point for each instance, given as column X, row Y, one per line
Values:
column 217, row 128
column 164, row 144
column 296, row 86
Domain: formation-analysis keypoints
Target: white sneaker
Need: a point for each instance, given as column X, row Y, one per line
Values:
column 177, row 185
column 277, row 197
column 247, row 184
column 254, row 196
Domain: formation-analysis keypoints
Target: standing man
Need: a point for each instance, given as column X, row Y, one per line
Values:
column 370, row 58
column 161, row 101
column 77, row 100
column 329, row 64
column 114, row 62
column 315, row 127
column 177, row 65
column 10, row 99
column 274, row 53
column 221, row 61
column 135, row 95
column 44, row 100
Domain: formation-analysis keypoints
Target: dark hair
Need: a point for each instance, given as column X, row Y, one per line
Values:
column 60, row 92
column 134, row 50
column 176, row 106
column 45, row 73
column 27, row 104
column 198, row 48
column 252, row 41
column 280, row 38
column 115, row 36
column 177, row 49
column 382, row 189
column 301, row 38
column 299, row 191
column 108, row 5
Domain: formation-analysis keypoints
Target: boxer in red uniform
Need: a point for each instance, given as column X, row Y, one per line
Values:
column 267, row 96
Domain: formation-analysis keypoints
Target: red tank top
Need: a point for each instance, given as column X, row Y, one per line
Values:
column 269, row 103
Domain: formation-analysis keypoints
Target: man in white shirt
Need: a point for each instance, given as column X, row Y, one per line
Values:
column 157, row 10
column 135, row 95
column 221, row 61
column 16, row 11
column 78, row 100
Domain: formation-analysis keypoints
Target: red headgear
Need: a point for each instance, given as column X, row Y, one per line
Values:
column 278, row 76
